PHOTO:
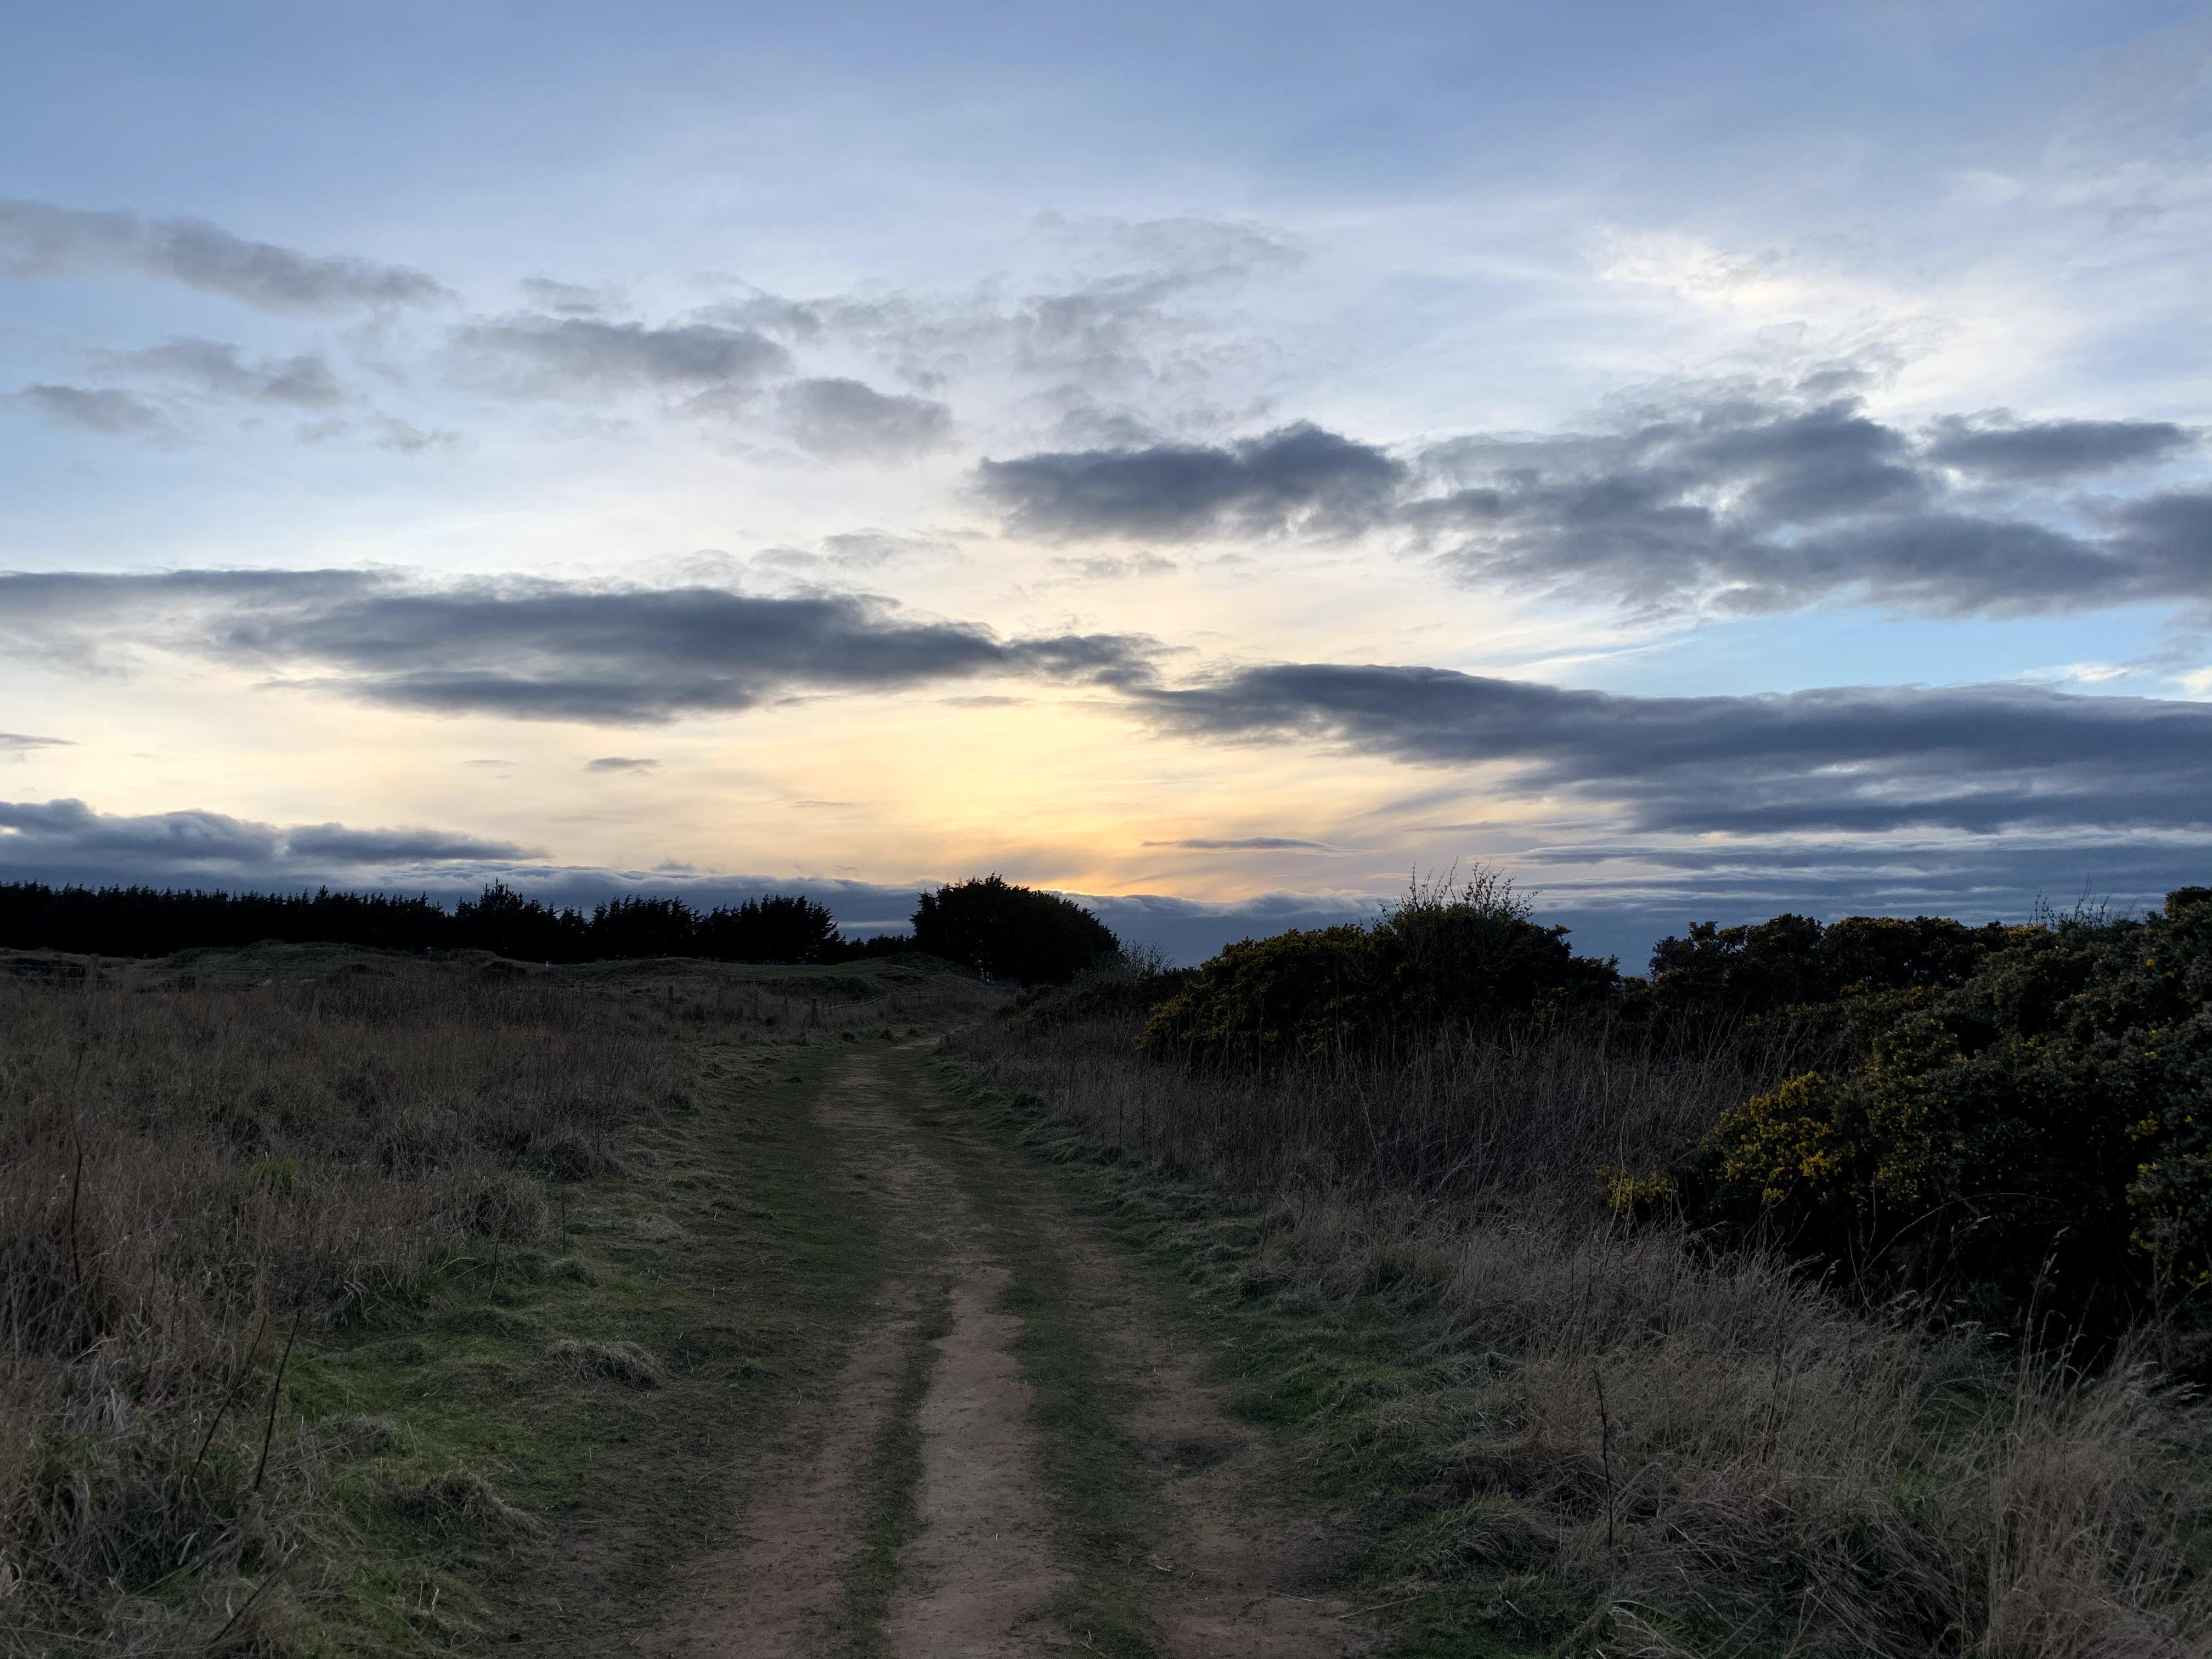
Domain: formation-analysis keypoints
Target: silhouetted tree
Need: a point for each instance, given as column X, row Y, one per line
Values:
column 991, row 926
column 503, row 922
column 779, row 928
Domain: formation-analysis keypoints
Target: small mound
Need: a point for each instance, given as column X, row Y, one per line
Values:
column 624, row 1362
column 458, row 1500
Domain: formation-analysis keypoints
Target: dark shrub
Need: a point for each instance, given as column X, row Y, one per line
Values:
column 2041, row 1128
column 993, row 927
column 1130, row 986
column 1468, row 955
column 1716, row 977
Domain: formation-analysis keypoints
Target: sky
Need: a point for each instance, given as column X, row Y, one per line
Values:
column 1704, row 460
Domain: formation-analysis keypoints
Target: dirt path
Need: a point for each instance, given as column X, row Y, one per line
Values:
column 905, row 1510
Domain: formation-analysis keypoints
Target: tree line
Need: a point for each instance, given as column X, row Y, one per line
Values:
column 986, row 925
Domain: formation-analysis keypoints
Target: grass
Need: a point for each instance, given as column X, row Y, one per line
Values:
column 1567, row 1436
column 557, row 1245
column 890, row 1515
column 618, row 1402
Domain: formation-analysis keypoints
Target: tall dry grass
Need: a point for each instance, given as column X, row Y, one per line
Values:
column 1715, row 1453
column 186, row 1177
column 1460, row 1112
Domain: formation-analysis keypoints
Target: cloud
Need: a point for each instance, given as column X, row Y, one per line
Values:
column 574, row 356
column 1248, row 844
column 67, row 840
column 1295, row 478
column 1725, row 501
column 622, row 763
column 104, row 410
column 384, row 431
column 533, row 649
column 1111, row 569
column 1105, row 312
column 847, row 420
column 304, row 381
column 17, row 744
column 37, row 240
column 1972, row 758
column 2000, row 447
column 335, row 843
column 570, row 299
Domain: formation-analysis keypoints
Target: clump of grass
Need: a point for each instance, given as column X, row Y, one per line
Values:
column 626, row 1363
column 459, row 1500
column 658, row 1230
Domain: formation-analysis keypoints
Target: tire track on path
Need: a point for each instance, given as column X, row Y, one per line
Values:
column 977, row 1576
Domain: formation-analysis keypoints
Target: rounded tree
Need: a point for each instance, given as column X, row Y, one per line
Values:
column 995, row 928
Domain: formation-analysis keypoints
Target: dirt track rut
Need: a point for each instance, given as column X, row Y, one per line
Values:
column 976, row 1565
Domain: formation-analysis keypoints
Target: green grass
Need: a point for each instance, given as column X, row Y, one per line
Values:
column 1317, row 1376
column 758, row 1296
column 1094, row 1472
column 891, row 1514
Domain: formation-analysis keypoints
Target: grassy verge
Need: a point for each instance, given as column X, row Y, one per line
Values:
column 353, row 1303
column 1604, row 1444
column 526, row 1453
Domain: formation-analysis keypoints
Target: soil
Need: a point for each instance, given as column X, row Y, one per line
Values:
column 1237, row 1574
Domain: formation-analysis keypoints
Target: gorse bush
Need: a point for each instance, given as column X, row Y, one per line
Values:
column 1468, row 954
column 2040, row 1127
column 991, row 926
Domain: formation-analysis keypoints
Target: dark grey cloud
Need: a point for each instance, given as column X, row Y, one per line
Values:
column 1732, row 502
column 848, row 420
column 1976, row 758
column 623, row 763
column 302, row 381
column 535, row 649
column 1621, row 897
column 37, row 240
column 1295, row 478
column 111, row 412
column 2000, row 447
column 574, row 356
column 70, row 841
column 19, row 743
column 1756, row 505
column 335, row 843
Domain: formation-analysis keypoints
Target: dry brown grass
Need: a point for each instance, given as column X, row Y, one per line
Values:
column 1460, row 1114
column 187, row 1175
column 1718, row 1457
